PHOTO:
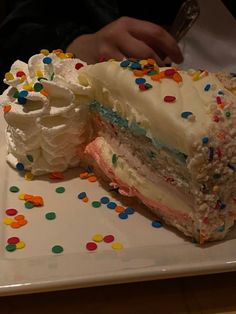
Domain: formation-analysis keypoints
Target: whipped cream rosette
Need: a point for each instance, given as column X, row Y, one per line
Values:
column 45, row 113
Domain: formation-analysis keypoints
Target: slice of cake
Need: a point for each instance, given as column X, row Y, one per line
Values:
column 164, row 136
column 168, row 138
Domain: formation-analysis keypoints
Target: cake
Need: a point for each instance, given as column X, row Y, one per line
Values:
column 164, row 136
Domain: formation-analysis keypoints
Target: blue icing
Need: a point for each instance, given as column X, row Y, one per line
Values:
column 113, row 117
column 137, row 130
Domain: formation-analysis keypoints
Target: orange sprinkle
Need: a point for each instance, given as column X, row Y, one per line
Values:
column 85, row 199
column 138, row 73
column 83, row 175
column 157, row 77
column 92, row 179
column 6, row 108
column 15, row 224
column 19, row 217
column 57, row 175
column 37, row 200
column 119, row 209
column 22, row 222
column 57, row 51
column 177, row 77
column 44, row 93
column 28, row 197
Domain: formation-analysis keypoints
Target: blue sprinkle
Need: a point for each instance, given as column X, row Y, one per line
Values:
column 140, row 80
column 20, row 166
column 156, row 224
column 186, row 114
column 22, row 100
column 129, row 211
column 205, row 140
column 207, row 87
column 82, row 195
column 23, row 94
column 111, row 205
column 222, row 205
column 125, row 63
column 123, row 215
column 104, row 200
column 47, row 60
column 135, row 66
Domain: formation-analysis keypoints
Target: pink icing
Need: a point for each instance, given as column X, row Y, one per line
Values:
column 94, row 150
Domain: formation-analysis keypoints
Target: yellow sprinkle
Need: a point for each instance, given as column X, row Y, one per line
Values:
column 69, row 55
column 20, row 245
column 9, row 76
column 117, row 245
column 45, row 52
column 22, row 78
column 143, row 62
column 28, row 86
column 62, row 55
column 7, row 221
column 39, row 73
column 21, row 196
column 97, row 238
column 196, row 76
column 216, row 188
column 111, row 60
column 28, row 176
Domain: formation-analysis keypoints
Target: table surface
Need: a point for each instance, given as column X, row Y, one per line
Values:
column 206, row 294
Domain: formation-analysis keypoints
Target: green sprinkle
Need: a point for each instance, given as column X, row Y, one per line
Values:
column 227, row 114
column 29, row 205
column 114, row 158
column 57, row 249
column 30, row 158
column 60, row 189
column 96, row 204
column 38, row 87
column 216, row 176
column 10, row 247
column 50, row 216
column 14, row 189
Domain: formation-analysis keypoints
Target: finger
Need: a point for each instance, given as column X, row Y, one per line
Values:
column 134, row 48
column 157, row 38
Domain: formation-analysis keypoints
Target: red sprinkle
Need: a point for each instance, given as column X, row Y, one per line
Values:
column 169, row 98
column 78, row 65
column 13, row 240
column 91, row 246
column 20, row 73
column 11, row 211
column 142, row 87
column 109, row 238
column 218, row 100
column 170, row 72
column 216, row 119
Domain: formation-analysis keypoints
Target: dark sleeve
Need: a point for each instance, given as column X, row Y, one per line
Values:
column 34, row 25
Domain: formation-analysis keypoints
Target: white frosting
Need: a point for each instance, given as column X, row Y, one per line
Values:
column 115, row 87
column 44, row 134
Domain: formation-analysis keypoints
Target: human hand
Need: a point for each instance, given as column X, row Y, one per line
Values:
column 127, row 38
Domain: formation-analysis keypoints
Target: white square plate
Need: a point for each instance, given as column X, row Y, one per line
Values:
column 148, row 253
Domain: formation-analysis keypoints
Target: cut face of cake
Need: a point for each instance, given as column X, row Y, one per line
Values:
column 167, row 137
